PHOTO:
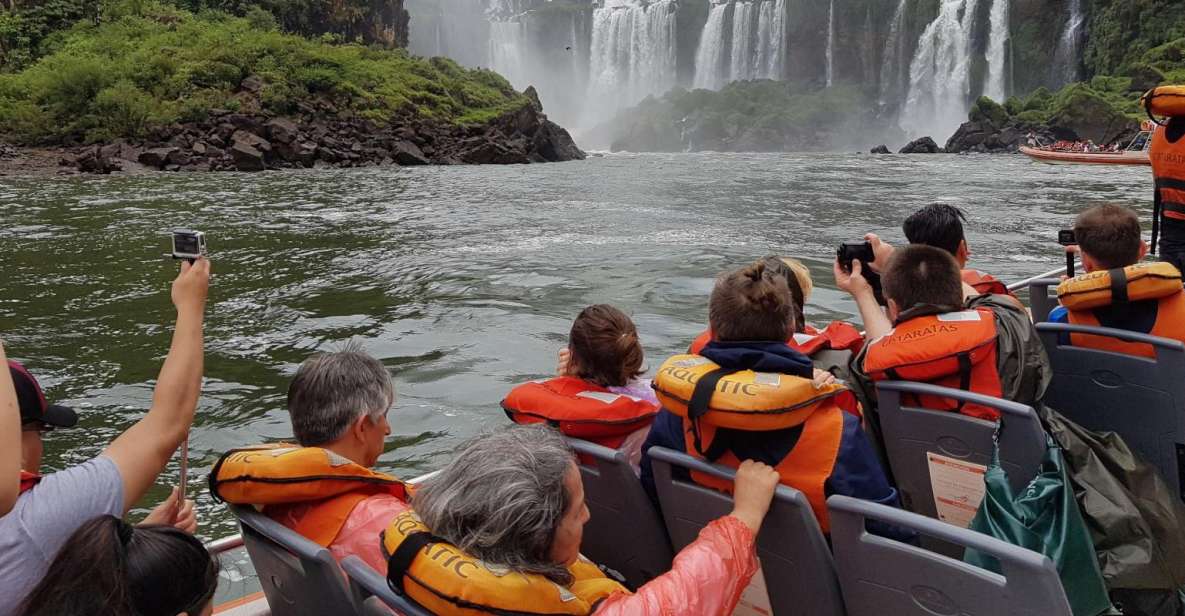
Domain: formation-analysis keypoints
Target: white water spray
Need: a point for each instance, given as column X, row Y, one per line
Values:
column 830, row 43
column 633, row 52
column 709, row 58
column 893, row 66
column 940, row 74
column 772, row 39
column 997, row 53
column 1066, row 57
column 741, row 58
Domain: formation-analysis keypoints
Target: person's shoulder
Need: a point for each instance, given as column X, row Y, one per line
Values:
column 94, row 484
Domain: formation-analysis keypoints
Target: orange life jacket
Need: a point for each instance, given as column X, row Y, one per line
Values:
column 580, row 409
column 280, row 478
column 1168, row 157
column 984, row 283
column 838, row 336
column 1139, row 286
column 28, row 480
column 757, row 402
column 952, row 349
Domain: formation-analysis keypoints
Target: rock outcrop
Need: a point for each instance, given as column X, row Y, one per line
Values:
column 925, row 145
column 880, row 149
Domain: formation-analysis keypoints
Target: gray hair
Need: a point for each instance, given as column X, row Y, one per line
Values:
column 332, row 390
column 502, row 499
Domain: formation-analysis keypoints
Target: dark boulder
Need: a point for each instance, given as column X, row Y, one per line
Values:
column 880, row 149
column 283, row 130
column 156, row 157
column 407, row 153
column 252, row 140
column 925, row 145
column 247, row 158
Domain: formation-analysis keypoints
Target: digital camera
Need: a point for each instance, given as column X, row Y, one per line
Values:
column 188, row 245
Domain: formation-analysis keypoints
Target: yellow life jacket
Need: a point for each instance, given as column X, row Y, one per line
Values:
column 1143, row 282
column 275, row 476
column 449, row 582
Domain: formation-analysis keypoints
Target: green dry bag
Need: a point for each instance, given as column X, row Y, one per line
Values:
column 1044, row 518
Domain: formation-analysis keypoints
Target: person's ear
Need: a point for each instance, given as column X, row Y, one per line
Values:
column 964, row 251
column 894, row 311
column 1143, row 250
column 361, row 426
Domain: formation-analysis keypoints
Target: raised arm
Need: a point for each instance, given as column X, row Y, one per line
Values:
column 10, row 438
column 876, row 324
column 142, row 451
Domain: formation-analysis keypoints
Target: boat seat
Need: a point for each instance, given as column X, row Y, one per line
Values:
column 370, row 590
column 624, row 532
column 884, row 576
column 911, row 433
column 795, row 559
column 299, row 577
column 1040, row 300
column 1103, row 391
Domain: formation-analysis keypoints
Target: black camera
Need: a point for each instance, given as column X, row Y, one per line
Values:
column 862, row 252
column 188, row 245
column 1066, row 237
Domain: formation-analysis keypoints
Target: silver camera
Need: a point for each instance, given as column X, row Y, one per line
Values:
column 188, row 245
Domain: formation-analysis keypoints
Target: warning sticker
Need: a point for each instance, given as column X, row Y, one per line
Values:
column 958, row 488
column 755, row 598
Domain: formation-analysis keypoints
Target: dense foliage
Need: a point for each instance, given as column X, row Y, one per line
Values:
column 1123, row 31
column 158, row 64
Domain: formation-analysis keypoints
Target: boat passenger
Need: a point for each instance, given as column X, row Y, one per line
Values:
column 838, row 336
column 941, row 225
column 324, row 487
column 51, row 507
column 1150, row 298
column 110, row 568
column 599, row 394
column 1167, row 153
column 10, row 439
column 513, row 502
column 819, row 449
column 940, row 330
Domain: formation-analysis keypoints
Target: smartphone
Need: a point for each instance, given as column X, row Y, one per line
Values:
column 862, row 252
column 1067, row 237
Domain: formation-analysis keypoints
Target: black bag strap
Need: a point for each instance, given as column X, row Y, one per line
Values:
column 964, row 377
column 400, row 562
column 701, row 399
column 1118, row 286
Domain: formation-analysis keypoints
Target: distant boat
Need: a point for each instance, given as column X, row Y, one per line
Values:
column 1136, row 153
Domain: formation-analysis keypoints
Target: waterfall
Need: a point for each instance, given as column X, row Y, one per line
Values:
column 939, row 75
column 709, row 58
column 507, row 43
column 742, row 41
column 830, row 43
column 996, row 87
column 893, row 66
column 772, row 40
column 1066, row 58
column 633, row 51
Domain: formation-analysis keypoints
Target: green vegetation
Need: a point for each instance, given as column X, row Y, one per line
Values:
column 147, row 64
column 1123, row 31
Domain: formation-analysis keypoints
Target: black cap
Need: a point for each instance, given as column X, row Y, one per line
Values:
column 32, row 401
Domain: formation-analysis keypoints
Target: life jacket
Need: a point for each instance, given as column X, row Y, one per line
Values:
column 277, row 477
column 984, row 283
column 1151, row 288
column 838, row 336
column 28, row 481
column 1167, row 156
column 950, row 349
column 446, row 581
column 580, row 409
column 710, row 399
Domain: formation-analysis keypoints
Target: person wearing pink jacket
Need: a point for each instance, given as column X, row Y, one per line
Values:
column 514, row 500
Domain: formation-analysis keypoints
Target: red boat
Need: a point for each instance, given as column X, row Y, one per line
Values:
column 1136, row 153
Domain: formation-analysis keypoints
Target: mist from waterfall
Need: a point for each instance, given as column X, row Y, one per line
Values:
column 773, row 33
column 633, row 53
column 1066, row 59
column 996, row 86
column 940, row 73
column 894, row 62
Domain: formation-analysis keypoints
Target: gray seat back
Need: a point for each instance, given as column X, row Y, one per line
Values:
column 299, row 577
column 1140, row 399
column 882, row 576
column 371, row 591
column 912, row 432
column 1041, row 302
column 794, row 556
column 624, row 532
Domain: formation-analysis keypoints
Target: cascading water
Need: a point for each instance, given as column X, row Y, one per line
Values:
column 830, row 43
column 709, row 58
column 995, row 87
column 940, row 73
column 1066, row 59
column 772, row 39
column 894, row 63
column 633, row 52
column 742, row 42
column 507, row 44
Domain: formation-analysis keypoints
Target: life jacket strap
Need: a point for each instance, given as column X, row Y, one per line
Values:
column 1118, row 286
column 399, row 564
column 701, row 400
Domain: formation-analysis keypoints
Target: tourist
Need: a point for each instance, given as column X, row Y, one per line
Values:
column 513, row 501
column 942, row 331
column 324, row 487
column 109, row 568
column 1111, row 245
column 51, row 507
column 599, row 394
column 10, row 440
column 750, row 309
column 1167, row 153
column 941, row 226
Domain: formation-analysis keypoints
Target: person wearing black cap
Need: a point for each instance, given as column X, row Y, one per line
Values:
column 51, row 507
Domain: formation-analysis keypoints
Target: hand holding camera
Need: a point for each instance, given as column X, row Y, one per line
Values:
column 1067, row 238
column 854, row 269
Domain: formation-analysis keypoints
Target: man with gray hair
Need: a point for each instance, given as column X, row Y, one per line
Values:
column 324, row 488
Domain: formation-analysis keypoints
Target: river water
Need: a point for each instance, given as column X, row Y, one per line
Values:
column 463, row 280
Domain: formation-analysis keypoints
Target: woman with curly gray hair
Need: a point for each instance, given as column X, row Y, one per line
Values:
column 513, row 500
